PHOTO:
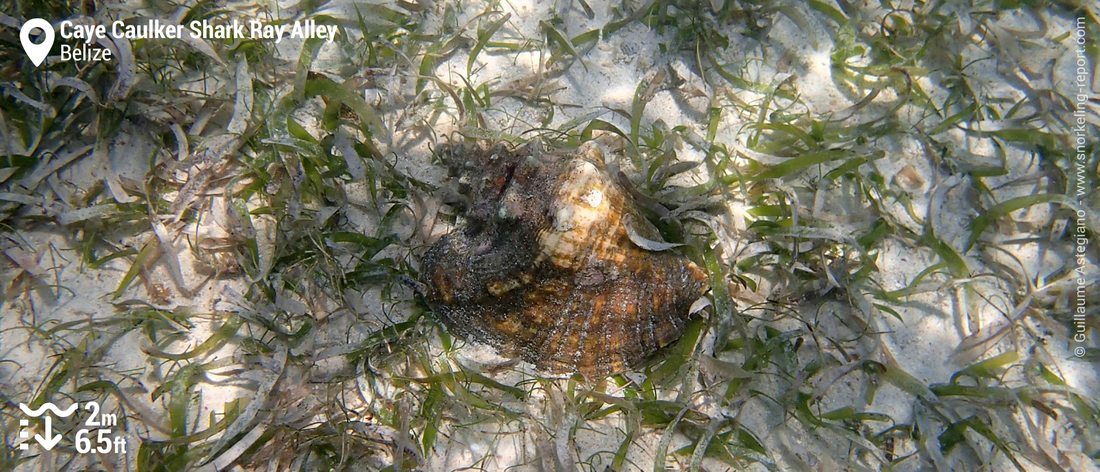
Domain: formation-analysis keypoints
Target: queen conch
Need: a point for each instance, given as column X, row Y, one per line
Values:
column 544, row 265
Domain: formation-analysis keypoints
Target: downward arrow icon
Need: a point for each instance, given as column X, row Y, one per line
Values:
column 50, row 440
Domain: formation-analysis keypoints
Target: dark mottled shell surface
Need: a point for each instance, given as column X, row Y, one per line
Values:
column 543, row 265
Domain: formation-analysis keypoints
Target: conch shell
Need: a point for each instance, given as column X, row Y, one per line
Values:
column 545, row 267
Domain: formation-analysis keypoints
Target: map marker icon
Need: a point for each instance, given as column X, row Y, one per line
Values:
column 36, row 52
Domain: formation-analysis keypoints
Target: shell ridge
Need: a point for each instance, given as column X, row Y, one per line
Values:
column 593, row 312
column 651, row 322
column 551, row 332
column 568, row 317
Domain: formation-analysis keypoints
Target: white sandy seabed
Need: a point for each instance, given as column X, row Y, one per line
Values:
column 925, row 341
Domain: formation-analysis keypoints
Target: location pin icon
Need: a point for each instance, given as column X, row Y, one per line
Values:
column 37, row 52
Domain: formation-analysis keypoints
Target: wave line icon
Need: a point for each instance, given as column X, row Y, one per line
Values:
column 47, row 407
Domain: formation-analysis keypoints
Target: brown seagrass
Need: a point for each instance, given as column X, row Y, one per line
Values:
column 544, row 266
